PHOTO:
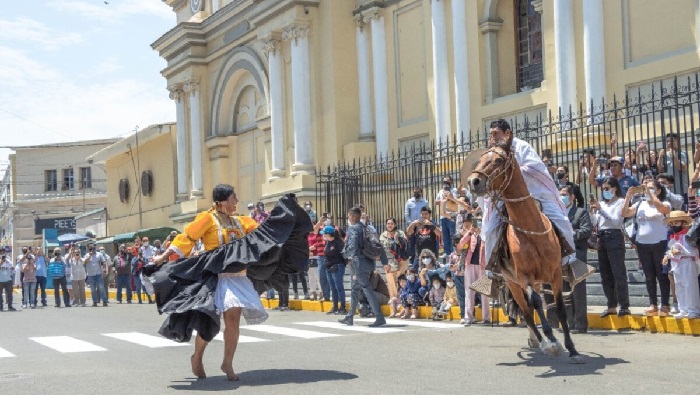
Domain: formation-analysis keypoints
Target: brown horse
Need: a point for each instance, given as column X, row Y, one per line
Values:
column 532, row 243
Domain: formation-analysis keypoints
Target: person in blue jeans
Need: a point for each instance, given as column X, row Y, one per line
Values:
column 335, row 266
column 137, row 265
column 448, row 211
column 122, row 267
column 40, row 275
column 93, row 266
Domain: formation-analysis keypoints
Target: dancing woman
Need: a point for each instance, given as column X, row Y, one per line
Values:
column 235, row 294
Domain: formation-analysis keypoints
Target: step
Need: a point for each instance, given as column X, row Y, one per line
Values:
column 632, row 277
column 635, row 301
column 630, row 254
column 633, row 289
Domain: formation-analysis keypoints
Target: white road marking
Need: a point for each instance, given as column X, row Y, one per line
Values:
column 241, row 338
column 352, row 328
column 145, row 340
column 277, row 330
column 5, row 354
column 66, row 344
column 424, row 324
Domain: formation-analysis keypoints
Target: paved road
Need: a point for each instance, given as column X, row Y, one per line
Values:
column 118, row 351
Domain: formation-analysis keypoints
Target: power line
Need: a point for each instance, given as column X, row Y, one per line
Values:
column 34, row 123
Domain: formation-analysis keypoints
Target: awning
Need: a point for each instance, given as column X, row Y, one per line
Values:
column 106, row 240
column 72, row 238
column 151, row 233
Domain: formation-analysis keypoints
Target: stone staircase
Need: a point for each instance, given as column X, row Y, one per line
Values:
column 635, row 278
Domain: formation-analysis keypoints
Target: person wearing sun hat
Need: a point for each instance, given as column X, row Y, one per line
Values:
column 683, row 258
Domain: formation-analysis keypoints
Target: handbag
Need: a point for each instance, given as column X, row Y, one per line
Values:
column 632, row 229
column 594, row 239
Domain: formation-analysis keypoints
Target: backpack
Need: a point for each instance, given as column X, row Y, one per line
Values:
column 371, row 246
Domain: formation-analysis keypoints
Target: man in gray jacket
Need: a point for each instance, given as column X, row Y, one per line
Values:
column 362, row 268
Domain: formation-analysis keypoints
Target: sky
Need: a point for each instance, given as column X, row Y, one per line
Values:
column 73, row 70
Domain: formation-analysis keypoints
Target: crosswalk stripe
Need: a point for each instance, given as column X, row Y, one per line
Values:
column 424, row 324
column 145, row 340
column 241, row 338
column 5, row 354
column 353, row 328
column 277, row 330
column 66, row 344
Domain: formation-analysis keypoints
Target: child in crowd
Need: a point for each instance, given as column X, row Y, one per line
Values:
column 395, row 302
column 450, row 298
column 410, row 298
column 29, row 283
column 683, row 258
column 457, row 272
column 436, row 296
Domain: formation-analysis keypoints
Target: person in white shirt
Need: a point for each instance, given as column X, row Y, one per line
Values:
column 7, row 273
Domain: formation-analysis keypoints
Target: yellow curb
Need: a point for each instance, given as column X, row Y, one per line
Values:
column 669, row 325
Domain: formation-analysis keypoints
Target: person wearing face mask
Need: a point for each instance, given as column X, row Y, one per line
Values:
column 445, row 200
column 396, row 248
column 576, row 305
column 308, row 207
column 335, row 267
column 608, row 218
column 652, row 242
column 616, row 171
column 562, row 180
column 682, row 256
column 412, row 212
column 410, row 298
column 451, row 298
column 251, row 209
column 122, row 266
column 426, row 234
column 436, row 296
column 79, row 275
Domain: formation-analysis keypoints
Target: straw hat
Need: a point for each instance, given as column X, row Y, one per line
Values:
column 678, row 215
column 470, row 163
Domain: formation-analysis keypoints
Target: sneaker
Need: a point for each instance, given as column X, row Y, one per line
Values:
column 346, row 321
column 377, row 323
column 674, row 309
column 342, row 312
column 461, row 322
column 94, row 305
column 104, row 304
column 679, row 315
column 24, row 306
column 332, row 312
column 12, row 309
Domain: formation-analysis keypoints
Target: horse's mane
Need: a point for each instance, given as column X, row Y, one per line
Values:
column 503, row 145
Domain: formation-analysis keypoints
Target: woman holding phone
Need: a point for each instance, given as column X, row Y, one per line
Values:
column 652, row 235
column 607, row 215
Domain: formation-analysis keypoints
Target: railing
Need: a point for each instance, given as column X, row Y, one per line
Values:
column 618, row 128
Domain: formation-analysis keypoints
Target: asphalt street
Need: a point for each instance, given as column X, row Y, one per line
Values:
column 116, row 350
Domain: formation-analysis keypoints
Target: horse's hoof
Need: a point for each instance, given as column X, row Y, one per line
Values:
column 576, row 359
column 551, row 349
column 532, row 343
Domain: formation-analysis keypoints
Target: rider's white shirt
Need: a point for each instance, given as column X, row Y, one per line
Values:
column 538, row 180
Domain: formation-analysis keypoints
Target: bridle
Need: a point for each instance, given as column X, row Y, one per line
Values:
column 497, row 195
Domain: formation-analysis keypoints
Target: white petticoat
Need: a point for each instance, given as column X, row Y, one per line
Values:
column 239, row 292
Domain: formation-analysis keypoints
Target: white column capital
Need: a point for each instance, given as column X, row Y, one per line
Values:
column 372, row 13
column 359, row 21
column 295, row 32
column 191, row 87
column 491, row 25
column 538, row 5
column 176, row 93
column 271, row 44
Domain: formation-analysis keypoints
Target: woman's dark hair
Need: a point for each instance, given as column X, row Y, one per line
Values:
column 662, row 194
column 222, row 192
column 456, row 239
column 392, row 219
column 612, row 181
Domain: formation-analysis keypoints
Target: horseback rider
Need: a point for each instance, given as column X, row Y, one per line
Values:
column 542, row 188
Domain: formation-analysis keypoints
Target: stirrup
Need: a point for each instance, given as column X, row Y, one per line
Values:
column 486, row 286
column 577, row 271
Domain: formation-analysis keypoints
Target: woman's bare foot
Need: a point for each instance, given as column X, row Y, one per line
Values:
column 230, row 375
column 198, row 368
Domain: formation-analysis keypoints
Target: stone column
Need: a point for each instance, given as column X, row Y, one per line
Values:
column 565, row 55
column 366, row 130
column 181, row 146
column 459, row 43
column 441, row 79
column 594, row 55
column 489, row 28
column 195, row 139
column 301, row 96
column 276, row 72
column 374, row 17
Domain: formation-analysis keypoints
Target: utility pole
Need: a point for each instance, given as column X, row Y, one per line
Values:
column 138, row 176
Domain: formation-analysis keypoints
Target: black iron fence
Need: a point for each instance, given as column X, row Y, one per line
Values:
column 635, row 128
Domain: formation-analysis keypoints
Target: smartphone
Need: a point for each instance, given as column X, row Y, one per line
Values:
column 696, row 185
column 591, row 197
column 637, row 190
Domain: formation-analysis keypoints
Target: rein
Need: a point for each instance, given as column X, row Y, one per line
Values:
column 498, row 195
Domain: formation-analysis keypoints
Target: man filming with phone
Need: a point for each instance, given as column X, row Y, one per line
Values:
column 616, row 165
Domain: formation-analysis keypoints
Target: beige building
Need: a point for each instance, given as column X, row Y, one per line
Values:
column 267, row 91
column 51, row 185
column 141, row 181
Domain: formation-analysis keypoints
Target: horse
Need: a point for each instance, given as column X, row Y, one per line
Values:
column 532, row 243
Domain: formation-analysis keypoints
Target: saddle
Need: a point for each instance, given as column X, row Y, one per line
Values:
column 501, row 262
